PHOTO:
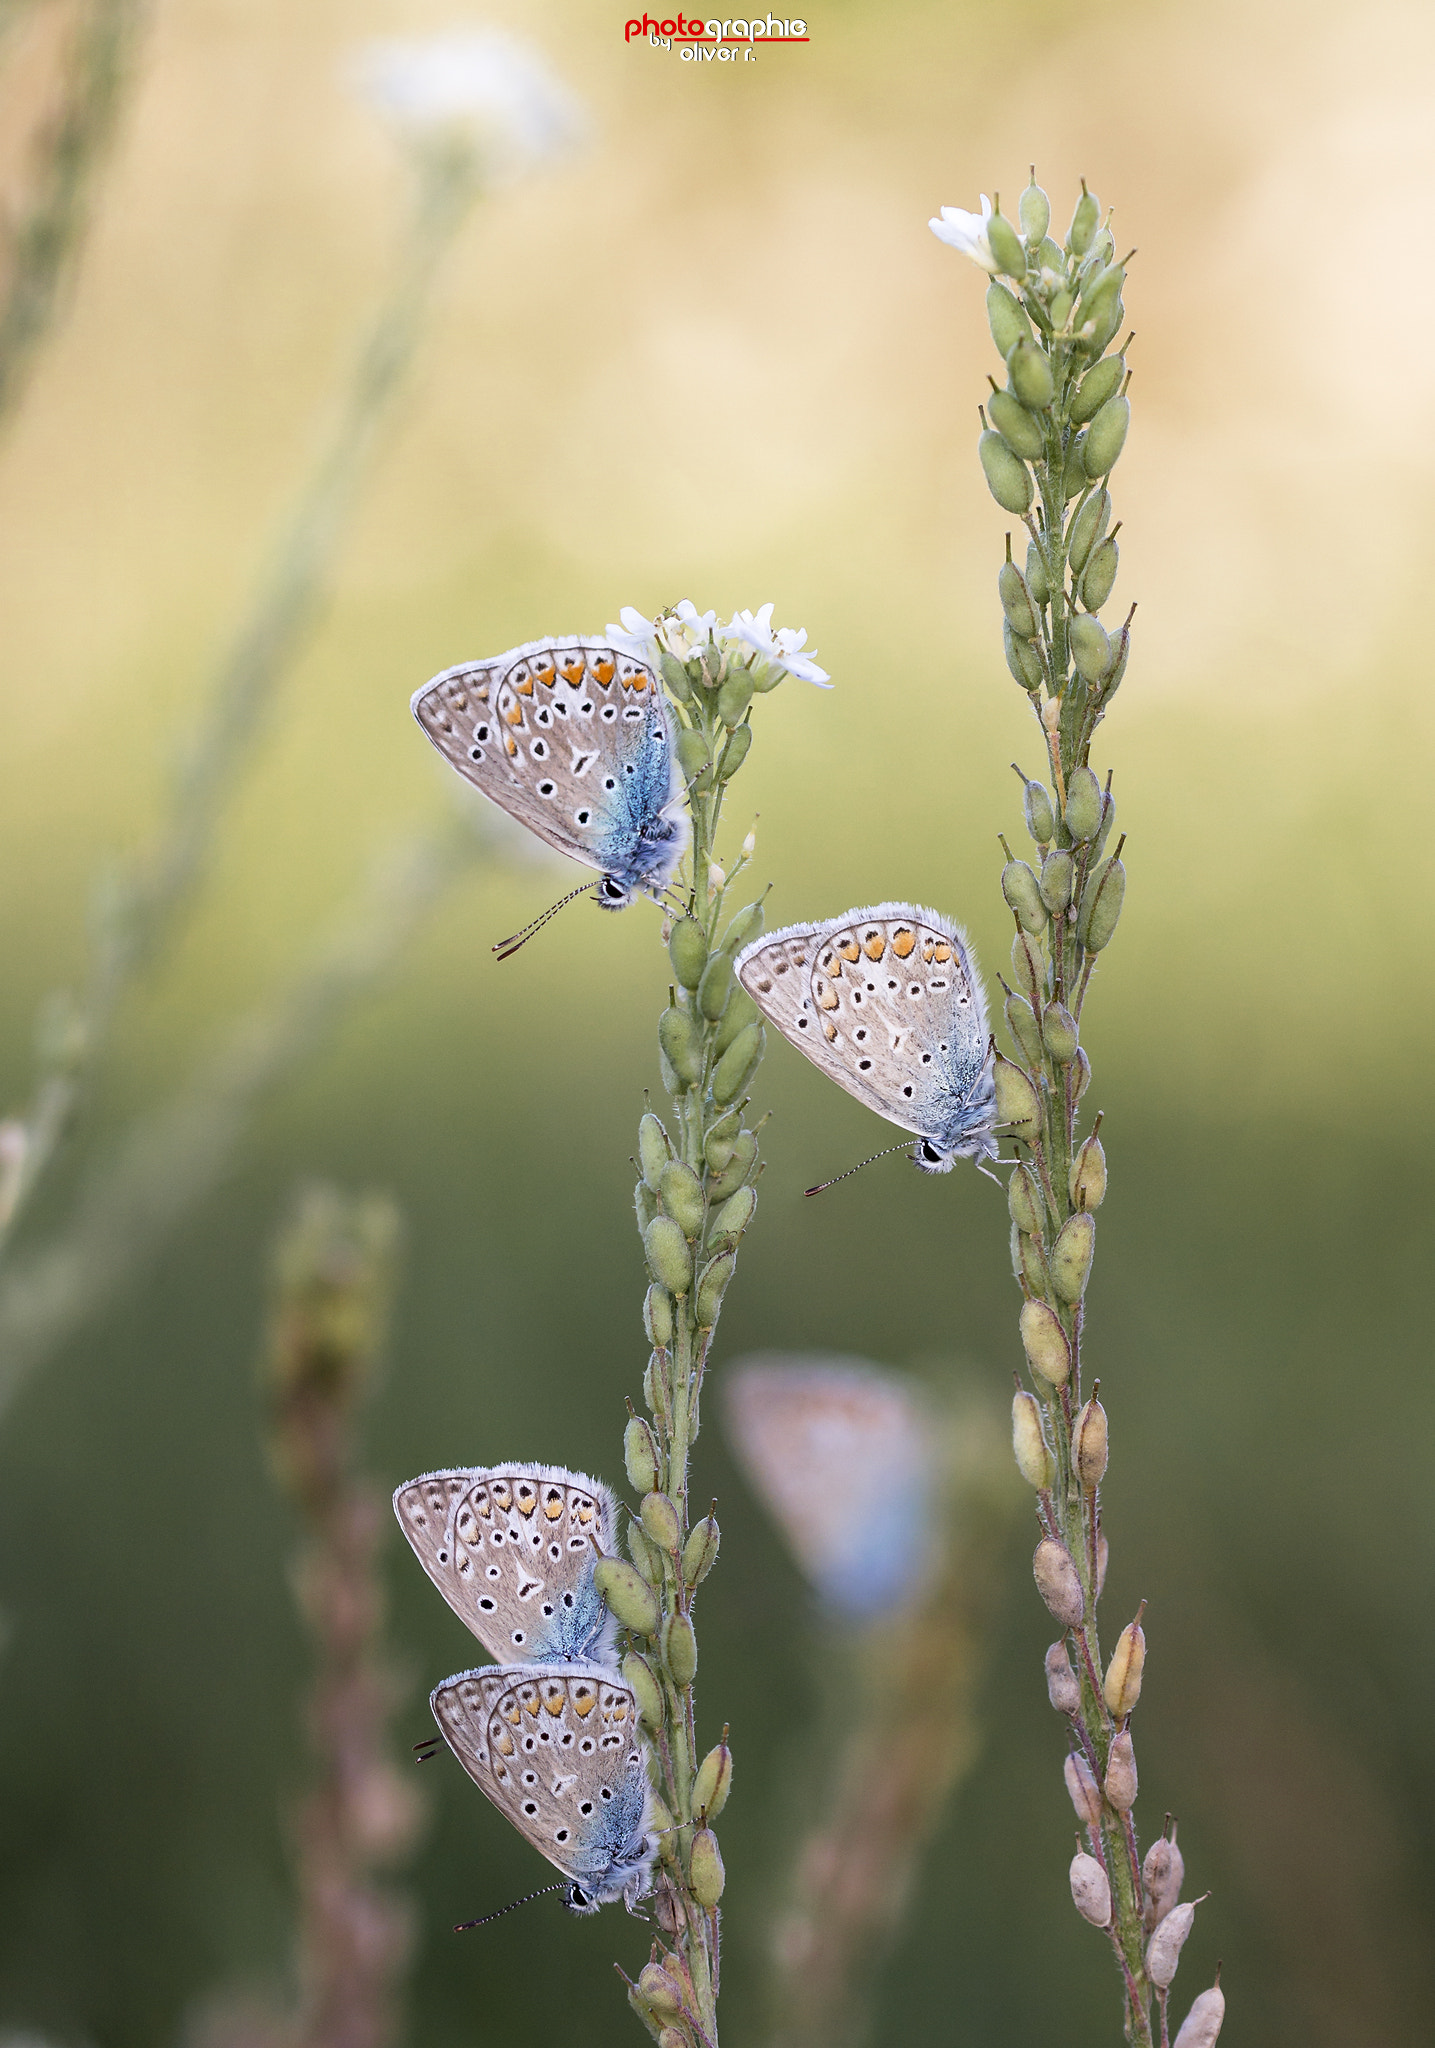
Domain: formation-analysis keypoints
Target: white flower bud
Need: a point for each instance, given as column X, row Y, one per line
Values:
column 717, row 877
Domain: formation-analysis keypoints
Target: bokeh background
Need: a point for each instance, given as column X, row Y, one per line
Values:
column 718, row 354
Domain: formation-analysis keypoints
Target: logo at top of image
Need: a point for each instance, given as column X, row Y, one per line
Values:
column 707, row 37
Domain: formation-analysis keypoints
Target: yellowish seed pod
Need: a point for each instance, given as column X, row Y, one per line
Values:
column 680, row 1649
column 682, row 1044
column 660, row 1521
column 658, row 1990
column 658, row 1315
column 688, row 951
column 715, row 986
column 1017, row 1102
column 666, row 1245
column 1089, row 1445
column 1122, row 1684
column 627, row 1594
column 1028, row 1263
column 1071, row 1257
column 1008, row 479
column 673, row 2037
column 1162, row 1875
column 1084, row 1790
column 1090, row 647
column 1021, row 892
column 1024, row 1029
column 1080, row 1079
column 640, row 1455
column 1057, row 1581
column 1033, row 1454
column 1055, row 880
column 1202, row 2024
column 642, row 1683
column 1023, row 1197
column 741, row 1160
column 734, row 1216
column 1120, row 1780
column 701, row 1550
column 1086, row 1179
column 653, row 1153
column 1058, row 1032
column 1163, row 1950
column 705, row 1871
column 713, row 1781
column 1090, row 1892
column 1083, row 805
column 711, row 1288
column 682, row 1194
column 739, row 1063
column 1063, row 1688
column 1047, row 1351
column 1103, row 1558
column 1022, row 433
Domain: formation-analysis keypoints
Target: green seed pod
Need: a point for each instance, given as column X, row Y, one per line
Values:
column 711, row 1287
column 1005, row 245
column 1100, row 577
column 1102, row 381
column 705, row 1871
column 682, row 1044
column 1059, row 310
column 658, row 1990
column 640, row 1455
column 1122, row 1684
column 660, row 1521
column 1036, row 578
column 1097, row 256
column 646, row 1204
column 1082, row 232
column 680, row 1649
column 734, row 1216
column 682, row 1194
column 1089, row 1445
column 1033, row 1454
column 715, row 986
column 1007, row 319
column 713, row 1782
column 1057, row 874
column 741, row 1160
column 734, row 697
column 666, row 1245
column 1101, row 902
column 1044, row 1342
column 1080, row 1076
column 701, row 1550
column 656, row 1386
column 1120, row 649
column 739, row 1063
column 1057, row 1581
column 1022, row 434
column 1022, row 659
column 658, row 1315
column 1020, row 890
column 1058, row 1031
column 642, row 1683
column 1023, row 1199
column 1028, row 1263
column 1105, row 329
column 1071, row 1257
column 1028, row 964
column 1074, row 479
column 1029, row 370
column 716, row 1153
column 1087, row 1178
column 1090, row 649
column 1040, row 818
column 744, row 928
column 1087, row 528
column 1018, row 1104
column 1021, row 1023
column 735, row 753
column 1106, row 436
column 627, row 1594
column 647, row 1561
column 1063, row 1687
column 1016, row 601
column 1099, row 294
column 653, row 1153
column 694, row 757
column 675, row 676
column 1048, row 255
column 1008, row 480
column 1035, row 211
column 1108, row 819
column 740, row 1012
column 1083, row 804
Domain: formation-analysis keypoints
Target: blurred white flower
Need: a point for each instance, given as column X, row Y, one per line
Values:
column 477, row 90
column 680, row 629
column 782, row 647
column 967, row 232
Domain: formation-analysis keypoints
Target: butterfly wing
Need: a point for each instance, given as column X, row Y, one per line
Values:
column 512, row 1550
column 886, row 1001
column 575, row 740
column 559, row 1753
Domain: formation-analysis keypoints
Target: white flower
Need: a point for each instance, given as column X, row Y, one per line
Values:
column 967, row 232
column 475, row 88
column 782, row 647
column 680, row 629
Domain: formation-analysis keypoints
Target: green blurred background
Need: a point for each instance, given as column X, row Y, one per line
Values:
column 718, row 354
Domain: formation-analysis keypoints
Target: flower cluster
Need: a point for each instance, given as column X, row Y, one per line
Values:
column 767, row 652
column 474, row 93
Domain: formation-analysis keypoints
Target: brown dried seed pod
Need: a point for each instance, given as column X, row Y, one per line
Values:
column 1063, row 1688
column 1163, row 1950
column 1122, row 1685
column 1162, row 1875
column 1203, row 2022
column 1085, row 1792
column 1120, row 1781
column 1089, row 1441
column 1058, row 1582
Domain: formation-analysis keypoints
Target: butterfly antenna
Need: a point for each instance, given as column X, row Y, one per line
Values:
column 506, row 948
column 464, row 1926
column 885, row 1153
column 425, row 1752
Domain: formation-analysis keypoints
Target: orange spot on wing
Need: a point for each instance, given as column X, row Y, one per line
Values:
column 849, row 949
column 604, row 668
column 525, row 688
column 571, row 668
column 829, row 1032
column 511, row 748
column 874, row 945
column 827, row 999
column 903, row 941
column 514, row 714
column 553, row 1504
column 942, row 951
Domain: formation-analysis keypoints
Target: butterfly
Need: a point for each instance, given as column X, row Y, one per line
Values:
column 576, row 740
column 512, row 1550
column 887, row 1001
column 558, row 1752
column 843, row 1457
